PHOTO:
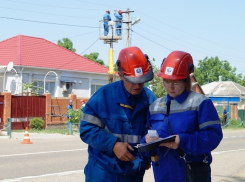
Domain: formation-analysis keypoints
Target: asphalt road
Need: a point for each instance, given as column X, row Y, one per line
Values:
column 60, row 158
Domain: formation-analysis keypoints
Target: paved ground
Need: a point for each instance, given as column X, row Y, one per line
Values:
column 228, row 159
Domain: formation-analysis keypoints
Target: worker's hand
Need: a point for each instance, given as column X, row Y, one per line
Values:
column 148, row 165
column 172, row 145
column 150, row 139
column 121, row 151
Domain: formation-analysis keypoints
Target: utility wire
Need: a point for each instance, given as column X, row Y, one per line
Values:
column 187, row 43
column 47, row 13
column 169, row 48
column 48, row 40
column 157, row 43
column 189, row 33
column 152, row 41
column 96, row 3
column 52, row 23
column 79, row 54
column 169, row 40
column 51, row 5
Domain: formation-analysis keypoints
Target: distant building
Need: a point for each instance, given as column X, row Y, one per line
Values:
column 34, row 57
column 227, row 94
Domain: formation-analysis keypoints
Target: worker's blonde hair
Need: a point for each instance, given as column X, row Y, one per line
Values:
column 188, row 84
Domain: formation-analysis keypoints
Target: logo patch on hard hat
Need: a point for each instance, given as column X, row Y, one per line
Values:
column 169, row 71
column 138, row 71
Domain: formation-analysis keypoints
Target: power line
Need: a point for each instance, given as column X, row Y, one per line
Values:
column 96, row 3
column 185, row 42
column 23, row 45
column 158, row 43
column 46, row 13
column 169, row 40
column 50, row 5
column 189, row 33
column 52, row 23
column 152, row 41
column 79, row 54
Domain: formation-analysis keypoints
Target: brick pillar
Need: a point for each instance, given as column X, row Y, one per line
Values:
column 7, row 106
column 236, row 112
column 73, row 97
column 48, row 107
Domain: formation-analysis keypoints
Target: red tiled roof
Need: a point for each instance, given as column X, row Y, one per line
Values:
column 38, row 52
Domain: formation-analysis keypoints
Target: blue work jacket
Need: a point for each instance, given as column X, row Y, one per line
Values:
column 118, row 19
column 193, row 117
column 105, row 122
column 107, row 17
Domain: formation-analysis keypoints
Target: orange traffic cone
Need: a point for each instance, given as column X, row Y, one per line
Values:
column 26, row 138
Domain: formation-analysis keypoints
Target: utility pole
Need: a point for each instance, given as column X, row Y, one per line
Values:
column 128, row 26
column 110, row 39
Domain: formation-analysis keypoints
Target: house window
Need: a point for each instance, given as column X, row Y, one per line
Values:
column 49, row 86
column 94, row 88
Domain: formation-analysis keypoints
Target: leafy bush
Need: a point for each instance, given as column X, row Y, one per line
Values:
column 75, row 115
column 236, row 123
column 220, row 117
column 36, row 123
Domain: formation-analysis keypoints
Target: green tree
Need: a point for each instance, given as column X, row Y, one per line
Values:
column 94, row 57
column 156, row 83
column 67, row 43
column 209, row 70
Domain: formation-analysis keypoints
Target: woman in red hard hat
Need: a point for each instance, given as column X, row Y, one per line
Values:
column 188, row 115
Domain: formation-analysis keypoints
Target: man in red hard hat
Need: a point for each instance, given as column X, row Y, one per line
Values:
column 114, row 121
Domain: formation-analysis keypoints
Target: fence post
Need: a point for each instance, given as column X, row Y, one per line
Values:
column 9, row 127
column 70, row 127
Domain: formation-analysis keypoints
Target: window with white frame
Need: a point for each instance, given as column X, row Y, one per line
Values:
column 94, row 88
column 49, row 86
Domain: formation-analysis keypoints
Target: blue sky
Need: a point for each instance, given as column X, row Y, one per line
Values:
column 202, row 28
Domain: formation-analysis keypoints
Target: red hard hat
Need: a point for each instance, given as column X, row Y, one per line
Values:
column 178, row 65
column 120, row 12
column 108, row 11
column 82, row 100
column 70, row 100
column 134, row 65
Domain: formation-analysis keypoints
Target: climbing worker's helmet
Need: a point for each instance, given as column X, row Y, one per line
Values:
column 178, row 65
column 134, row 66
column 108, row 11
column 120, row 12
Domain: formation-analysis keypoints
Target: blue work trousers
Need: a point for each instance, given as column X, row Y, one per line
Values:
column 106, row 28
column 118, row 29
column 95, row 173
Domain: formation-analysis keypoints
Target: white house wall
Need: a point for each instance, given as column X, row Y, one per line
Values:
column 81, row 82
column 241, row 105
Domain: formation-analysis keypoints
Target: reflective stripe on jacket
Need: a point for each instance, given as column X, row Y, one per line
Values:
column 105, row 121
column 193, row 117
